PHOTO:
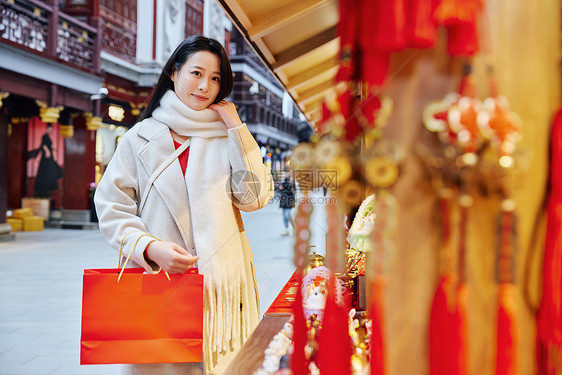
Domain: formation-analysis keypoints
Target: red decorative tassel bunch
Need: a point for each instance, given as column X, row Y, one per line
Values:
column 443, row 321
column 460, row 18
column 334, row 343
column 549, row 317
column 506, row 346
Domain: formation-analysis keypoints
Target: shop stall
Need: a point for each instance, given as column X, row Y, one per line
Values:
column 433, row 125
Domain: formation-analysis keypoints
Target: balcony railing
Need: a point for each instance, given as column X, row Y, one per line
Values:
column 255, row 112
column 44, row 30
column 119, row 34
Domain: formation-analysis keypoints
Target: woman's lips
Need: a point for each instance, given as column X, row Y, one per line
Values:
column 200, row 98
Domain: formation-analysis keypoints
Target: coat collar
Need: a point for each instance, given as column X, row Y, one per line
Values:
column 170, row 185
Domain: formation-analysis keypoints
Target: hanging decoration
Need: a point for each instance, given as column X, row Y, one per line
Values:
column 334, row 359
column 3, row 95
column 48, row 114
column 549, row 317
column 382, row 245
column 349, row 158
column 300, row 362
column 460, row 19
column 442, row 343
column 463, row 290
column 468, row 128
column 506, row 344
column 93, row 123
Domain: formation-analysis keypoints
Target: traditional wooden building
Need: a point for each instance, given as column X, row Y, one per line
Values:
column 86, row 68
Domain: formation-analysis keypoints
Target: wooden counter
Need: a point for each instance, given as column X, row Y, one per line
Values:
column 251, row 356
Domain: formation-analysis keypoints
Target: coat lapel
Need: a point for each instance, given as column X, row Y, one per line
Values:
column 170, row 185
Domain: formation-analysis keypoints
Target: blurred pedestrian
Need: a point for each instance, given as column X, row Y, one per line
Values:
column 286, row 203
column 49, row 171
column 194, row 205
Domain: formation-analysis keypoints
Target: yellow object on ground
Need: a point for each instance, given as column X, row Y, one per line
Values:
column 33, row 223
column 23, row 212
column 15, row 223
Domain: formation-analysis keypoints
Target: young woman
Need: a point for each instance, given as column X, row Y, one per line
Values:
column 193, row 205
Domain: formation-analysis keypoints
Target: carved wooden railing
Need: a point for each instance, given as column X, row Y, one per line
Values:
column 255, row 112
column 43, row 29
column 119, row 34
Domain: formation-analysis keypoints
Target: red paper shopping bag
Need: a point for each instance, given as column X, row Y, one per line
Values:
column 143, row 318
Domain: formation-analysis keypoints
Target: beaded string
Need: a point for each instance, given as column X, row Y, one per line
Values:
column 506, row 242
column 302, row 233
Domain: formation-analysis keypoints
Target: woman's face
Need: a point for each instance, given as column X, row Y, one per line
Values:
column 198, row 82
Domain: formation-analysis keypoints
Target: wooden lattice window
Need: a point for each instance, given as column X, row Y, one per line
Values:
column 193, row 17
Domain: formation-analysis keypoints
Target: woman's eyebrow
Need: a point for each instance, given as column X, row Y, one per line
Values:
column 201, row 68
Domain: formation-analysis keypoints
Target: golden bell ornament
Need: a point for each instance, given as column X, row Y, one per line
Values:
column 314, row 260
column 66, row 131
column 94, row 122
column 50, row 114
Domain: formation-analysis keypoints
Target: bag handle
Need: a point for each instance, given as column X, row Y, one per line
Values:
column 130, row 252
column 159, row 171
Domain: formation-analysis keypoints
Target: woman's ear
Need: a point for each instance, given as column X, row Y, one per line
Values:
column 173, row 75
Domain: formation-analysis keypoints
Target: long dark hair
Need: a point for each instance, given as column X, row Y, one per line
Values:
column 187, row 48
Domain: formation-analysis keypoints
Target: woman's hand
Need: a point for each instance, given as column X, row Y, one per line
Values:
column 227, row 111
column 47, row 152
column 171, row 257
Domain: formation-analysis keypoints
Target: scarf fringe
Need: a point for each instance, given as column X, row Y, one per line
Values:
column 228, row 315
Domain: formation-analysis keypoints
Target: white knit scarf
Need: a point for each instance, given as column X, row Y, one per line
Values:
column 216, row 234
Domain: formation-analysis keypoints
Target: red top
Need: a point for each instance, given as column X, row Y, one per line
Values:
column 182, row 157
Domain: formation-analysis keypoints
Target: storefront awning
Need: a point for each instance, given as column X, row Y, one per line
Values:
column 297, row 40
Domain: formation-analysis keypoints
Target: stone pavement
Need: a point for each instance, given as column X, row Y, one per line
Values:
column 41, row 287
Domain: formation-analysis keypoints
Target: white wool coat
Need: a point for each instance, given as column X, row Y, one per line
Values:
column 166, row 213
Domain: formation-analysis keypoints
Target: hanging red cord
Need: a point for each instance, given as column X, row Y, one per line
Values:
column 299, row 363
column 506, row 344
column 463, row 289
column 377, row 332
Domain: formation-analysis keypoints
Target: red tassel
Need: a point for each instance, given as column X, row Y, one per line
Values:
column 506, row 349
column 462, row 328
column 334, row 343
column 348, row 31
column 549, row 317
column 462, row 40
column 347, row 105
column 421, row 25
column 454, row 12
column 460, row 17
column 375, row 65
column 442, row 330
column 461, row 310
column 374, row 60
column 299, row 363
column 390, row 25
column 377, row 333
column 442, row 320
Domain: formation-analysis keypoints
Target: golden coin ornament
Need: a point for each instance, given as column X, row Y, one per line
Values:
column 381, row 171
